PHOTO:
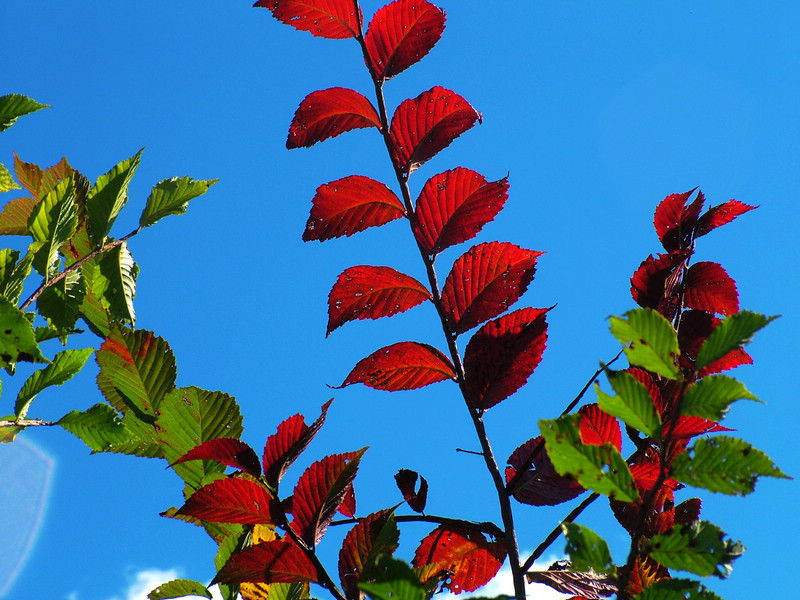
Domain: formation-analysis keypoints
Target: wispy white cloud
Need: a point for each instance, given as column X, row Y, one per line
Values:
column 143, row 582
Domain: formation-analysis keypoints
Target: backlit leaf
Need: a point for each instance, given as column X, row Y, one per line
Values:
column 372, row 537
column 40, row 182
column 720, row 215
column 651, row 342
column 394, row 579
column 423, row 126
column 633, row 403
column 700, row 548
column 734, row 331
column 13, row 274
column 711, row 397
column 674, row 221
column 327, row 113
column 108, row 196
column 99, row 427
column 401, row 366
column 332, row 19
column 586, row 585
column 60, row 303
column 233, row 500
column 178, row 588
column 366, row 292
column 13, row 106
column 171, row 197
column 17, row 337
column 406, row 480
column 454, row 206
column 400, row 34
column 656, row 281
column 276, row 561
column 232, row 452
column 15, row 214
column 7, row 182
column 64, row 366
column 598, row 427
column 587, row 550
column 538, row 484
column 708, row 287
column 349, row 205
column 111, row 278
column 51, row 223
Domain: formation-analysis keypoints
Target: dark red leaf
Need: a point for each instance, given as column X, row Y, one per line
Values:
column 485, row 281
column 538, row 484
column 373, row 536
column 675, row 222
column 228, row 451
column 319, row 492
column 688, row 511
column 656, row 280
column 402, row 366
column 720, row 215
column 401, row 34
column 708, row 287
column 332, row 19
column 406, row 480
column 348, row 505
column 327, row 113
column 233, row 500
column 454, row 206
column 276, row 561
column 285, row 445
column 689, row 427
column 598, row 428
column 695, row 327
column 347, row 206
column 469, row 557
column 366, row 292
column 423, row 126
column 503, row 354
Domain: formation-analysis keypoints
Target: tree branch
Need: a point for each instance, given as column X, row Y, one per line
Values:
column 483, row 527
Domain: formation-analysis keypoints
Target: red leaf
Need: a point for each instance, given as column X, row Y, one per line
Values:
column 538, row 484
column 401, row 34
column 401, row 366
column 15, row 214
column 467, row 555
column 688, row 511
column 720, row 215
column 37, row 181
column 319, row 492
column 327, row 113
column 233, row 500
column 276, row 561
column 285, row 445
column 454, row 206
column 485, row 281
column 708, row 287
column 655, row 280
column 598, row 428
column 406, row 480
column 347, row 206
column 375, row 535
column 695, row 327
column 366, row 292
column 348, row 505
column 228, row 451
column 675, row 222
column 423, row 126
column 503, row 354
column 332, row 19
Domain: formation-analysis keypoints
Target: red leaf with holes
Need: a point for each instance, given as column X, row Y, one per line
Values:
column 598, row 428
column 284, row 446
column 366, row 292
column 406, row 480
column 708, row 287
column 454, row 206
column 656, row 279
column 332, row 19
column 275, row 561
column 503, row 354
column 228, row 451
column 720, row 215
column 470, row 558
column 674, row 221
column 373, row 536
column 485, row 281
column 401, row 366
column 319, row 492
column 535, row 480
column 401, row 34
column 233, row 500
column 688, row 511
column 348, row 505
column 423, row 126
column 327, row 113
column 347, row 206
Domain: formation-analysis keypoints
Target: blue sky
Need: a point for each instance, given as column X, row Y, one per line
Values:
column 595, row 110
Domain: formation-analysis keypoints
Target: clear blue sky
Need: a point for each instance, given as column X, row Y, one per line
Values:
column 596, row 110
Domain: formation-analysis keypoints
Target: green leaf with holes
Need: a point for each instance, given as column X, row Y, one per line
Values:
column 171, row 197
column 711, row 397
column 701, row 548
column 17, row 337
column 733, row 332
column 64, row 366
column 52, row 222
column 650, row 341
column 633, row 403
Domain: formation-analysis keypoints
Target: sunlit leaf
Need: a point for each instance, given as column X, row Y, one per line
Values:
column 229, row 451
column 233, row 500
column 588, row 585
column 674, row 221
column 13, row 106
column 64, row 366
column 651, row 342
column 13, row 274
column 708, row 287
column 598, row 427
column 60, row 303
column 720, row 215
column 276, row 561
column 108, row 196
column 393, row 580
column 40, row 182
column 178, row 588
column 17, row 337
column 700, row 548
column 7, row 182
column 15, row 214
column 171, row 197
column 51, row 223
column 586, row 549
column 327, row 113
column 711, row 397
column 655, row 281
column 100, row 427
column 735, row 331
column 373, row 536
column 401, row 366
column 633, row 403
column 332, row 19
column 111, row 278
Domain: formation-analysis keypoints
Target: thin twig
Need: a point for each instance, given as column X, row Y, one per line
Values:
column 27, row 423
column 484, row 527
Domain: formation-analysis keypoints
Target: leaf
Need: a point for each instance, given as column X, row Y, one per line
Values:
column 17, row 337
column 349, row 205
column 598, row 428
column 366, row 292
column 723, row 464
column 394, row 580
column 700, row 548
column 233, row 500
column 695, row 327
column 708, row 287
column 454, row 206
column 60, row 303
column 108, row 196
column 532, row 479
column 13, row 106
column 374, row 536
column 319, row 491
column 332, row 19
column 178, row 588
column 65, row 364
column 7, row 182
column 503, row 354
column 401, row 366
column 99, row 427
column 276, row 561
column 674, row 221
column 471, row 559
column 485, row 281
column 677, row 589
column 590, row 586
column 406, row 481
column 633, row 404
column 284, row 446
column 652, row 342
column 720, row 215
column 424, row 126
column 229, row 451
column 15, row 215
column 327, row 113
column 13, row 274
column 51, row 223
column 401, row 34
column 734, row 331
column 171, row 197
column 41, row 182
column 655, row 282
column 711, row 397
column 587, row 550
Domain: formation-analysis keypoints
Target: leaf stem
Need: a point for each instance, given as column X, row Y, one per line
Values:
column 484, row 527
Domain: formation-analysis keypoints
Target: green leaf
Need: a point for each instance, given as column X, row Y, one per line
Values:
column 111, row 278
column 178, row 588
column 93, row 309
column 676, row 589
column 393, row 580
column 723, row 464
column 587, row 550
column 17, row 337
column 651, row 341
column 8, row 433
column 734, row 331
column 700, row 548
column 633, row 404
column 52, row 222
column 13, row 106
column 7, row 182
column 598, row 468
column 60, row 303
column 65, row 364
column 711, row 397
column 108, row 196
column 171, row 197
column 99, row 427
